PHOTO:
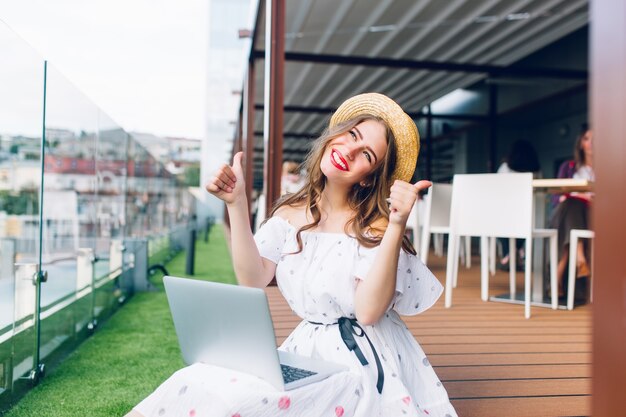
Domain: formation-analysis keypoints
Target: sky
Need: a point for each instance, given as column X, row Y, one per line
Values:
column 143, row 62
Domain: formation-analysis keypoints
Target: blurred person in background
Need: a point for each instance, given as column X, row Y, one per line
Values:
column 291, row 180
column 573, row 212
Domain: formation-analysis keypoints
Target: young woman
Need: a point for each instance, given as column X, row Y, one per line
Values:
column 338, row 251
column 573, row 212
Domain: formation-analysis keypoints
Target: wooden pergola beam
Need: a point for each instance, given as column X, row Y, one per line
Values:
column 608, row 103
column 491, row 70
column 248, row 132
column 274, row 97
column 414, row 115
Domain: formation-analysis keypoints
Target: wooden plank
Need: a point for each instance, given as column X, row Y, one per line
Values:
column 512, row 312
column 519, row 388
column 578, row 338
column 486, row 348
column 524, row 407
column 509, row 359
column 470, row 373
column 501, row 331
column 546, row 325
column 480, row 317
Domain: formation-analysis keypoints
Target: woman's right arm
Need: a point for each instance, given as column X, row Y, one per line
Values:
column 228, row 185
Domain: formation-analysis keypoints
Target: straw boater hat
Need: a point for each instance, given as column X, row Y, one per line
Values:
column 403, row 128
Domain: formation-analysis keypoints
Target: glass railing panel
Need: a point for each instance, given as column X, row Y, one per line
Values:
column 69, row 213
column 7, row 288
column 153, row 195
column 83, row 314
column 111, row 158
column 162, row 178
column 159, row 249
column 24, row 338
column 111, row 165
column 100, row 187
column 137, row 196
column 21, row 126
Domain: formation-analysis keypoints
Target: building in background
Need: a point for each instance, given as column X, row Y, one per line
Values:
column 180, row 156
column 225, row 70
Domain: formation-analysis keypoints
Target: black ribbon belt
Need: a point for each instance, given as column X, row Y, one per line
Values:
column 348, row 328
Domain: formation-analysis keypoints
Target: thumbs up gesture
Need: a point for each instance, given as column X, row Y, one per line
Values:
column 228, row 183
column 402, row 198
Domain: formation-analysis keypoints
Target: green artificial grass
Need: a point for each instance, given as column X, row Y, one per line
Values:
column 129, row 355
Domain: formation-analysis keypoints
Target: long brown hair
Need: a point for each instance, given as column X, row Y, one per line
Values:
column 579, row 153
column 369, row 202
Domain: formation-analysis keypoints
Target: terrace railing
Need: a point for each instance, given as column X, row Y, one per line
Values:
column 82, row 204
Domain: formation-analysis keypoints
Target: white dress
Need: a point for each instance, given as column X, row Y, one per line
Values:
column 319, row 285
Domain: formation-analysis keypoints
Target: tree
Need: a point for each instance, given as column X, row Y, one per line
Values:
column 192, row 176
column 24, row 202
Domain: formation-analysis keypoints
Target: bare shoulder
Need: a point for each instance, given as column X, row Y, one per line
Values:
column 295, row 215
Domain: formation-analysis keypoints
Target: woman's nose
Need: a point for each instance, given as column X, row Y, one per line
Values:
column 351, row 150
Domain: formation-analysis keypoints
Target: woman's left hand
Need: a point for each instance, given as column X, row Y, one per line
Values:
column 402, row 198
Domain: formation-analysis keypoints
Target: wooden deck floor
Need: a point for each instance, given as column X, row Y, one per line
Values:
column 492, row 361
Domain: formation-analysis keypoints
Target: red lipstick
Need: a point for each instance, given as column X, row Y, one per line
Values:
column 338, row 161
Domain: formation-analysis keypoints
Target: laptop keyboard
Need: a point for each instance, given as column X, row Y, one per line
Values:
column 291, row 373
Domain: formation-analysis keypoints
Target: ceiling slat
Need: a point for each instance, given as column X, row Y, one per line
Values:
column 375, row 50
column 445, row 52
column 490, row 53
column 371, row 19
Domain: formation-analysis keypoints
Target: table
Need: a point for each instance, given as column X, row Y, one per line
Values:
column 541, row 187
column 561, row 185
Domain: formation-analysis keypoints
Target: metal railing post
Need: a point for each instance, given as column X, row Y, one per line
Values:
column 191, row 250
column 136, row 254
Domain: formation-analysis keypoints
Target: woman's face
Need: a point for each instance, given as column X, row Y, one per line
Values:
column 351, row 157
column 586, row 143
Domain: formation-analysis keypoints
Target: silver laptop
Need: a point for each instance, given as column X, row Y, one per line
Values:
column 230, row 326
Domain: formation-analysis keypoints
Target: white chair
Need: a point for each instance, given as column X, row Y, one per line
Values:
column 436, row 221
column 574, row 235
column 413, row 222
column 496, row 205
column 492, row 255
